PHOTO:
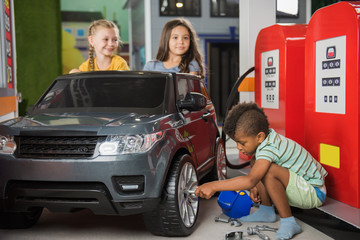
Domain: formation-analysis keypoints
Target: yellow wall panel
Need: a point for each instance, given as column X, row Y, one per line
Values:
column 330, row 155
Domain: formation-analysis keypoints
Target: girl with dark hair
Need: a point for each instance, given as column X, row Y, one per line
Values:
column 178, row 50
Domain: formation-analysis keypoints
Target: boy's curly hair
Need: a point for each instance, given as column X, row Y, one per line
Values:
column 248, row 118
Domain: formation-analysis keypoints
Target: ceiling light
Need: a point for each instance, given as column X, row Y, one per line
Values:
column 179, row 4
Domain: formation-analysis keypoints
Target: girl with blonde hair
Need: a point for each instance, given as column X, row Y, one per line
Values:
column 104, row 42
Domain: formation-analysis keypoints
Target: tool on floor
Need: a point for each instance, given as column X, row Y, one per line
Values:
column 222, row 218
column 265, row 228
column 235, row 235
column 225, row 219
column 235, row 222
column 254, row 230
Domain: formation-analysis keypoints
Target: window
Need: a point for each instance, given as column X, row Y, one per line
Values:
column 194, row 85
column 199, row 87
column 182, row 88
column 190, row 8
column 224, row 8
column 287, row 8
column 105, row 93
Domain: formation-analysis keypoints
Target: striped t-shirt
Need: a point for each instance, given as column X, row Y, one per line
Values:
column 289, row 154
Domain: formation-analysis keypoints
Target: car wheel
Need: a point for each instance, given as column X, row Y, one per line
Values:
column 219, row 171
column 17, row 220
column 177, row 212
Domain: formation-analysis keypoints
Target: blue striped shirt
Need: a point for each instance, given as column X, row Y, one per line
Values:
column 288, row 154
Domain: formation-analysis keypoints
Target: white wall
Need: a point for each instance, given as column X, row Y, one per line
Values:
column 254, row 15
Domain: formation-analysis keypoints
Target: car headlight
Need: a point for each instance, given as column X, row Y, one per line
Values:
column 7, row 145
column 124, row 144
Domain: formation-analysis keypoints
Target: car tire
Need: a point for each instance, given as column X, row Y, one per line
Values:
column 177, row 212
column 219, row 171
column 18, row 220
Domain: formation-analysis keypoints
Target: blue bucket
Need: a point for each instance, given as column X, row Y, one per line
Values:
column 235, row 204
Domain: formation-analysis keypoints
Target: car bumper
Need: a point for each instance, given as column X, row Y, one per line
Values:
column 126, row 184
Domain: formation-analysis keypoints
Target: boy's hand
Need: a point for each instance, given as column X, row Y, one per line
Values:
column 205, row 190
column 254, row 195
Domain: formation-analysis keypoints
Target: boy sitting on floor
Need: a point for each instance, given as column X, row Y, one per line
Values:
column 283, row 173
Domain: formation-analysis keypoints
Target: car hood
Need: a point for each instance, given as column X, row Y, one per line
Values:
column 92, row 123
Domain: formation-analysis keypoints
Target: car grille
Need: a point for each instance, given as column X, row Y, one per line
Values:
column 57, row 147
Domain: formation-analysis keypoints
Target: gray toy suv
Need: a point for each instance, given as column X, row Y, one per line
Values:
column 114, row 142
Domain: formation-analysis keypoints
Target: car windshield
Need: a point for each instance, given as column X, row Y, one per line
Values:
column 96, row 94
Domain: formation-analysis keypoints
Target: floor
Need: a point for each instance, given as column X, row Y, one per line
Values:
column 86, row 225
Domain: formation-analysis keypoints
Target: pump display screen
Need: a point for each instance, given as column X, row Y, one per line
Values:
column 330, row 75
column 270, row 79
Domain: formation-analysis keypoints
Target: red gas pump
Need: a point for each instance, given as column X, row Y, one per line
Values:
column 332, row 110
column 279, row 78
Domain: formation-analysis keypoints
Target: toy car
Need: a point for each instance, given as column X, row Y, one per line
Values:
column 114, row 142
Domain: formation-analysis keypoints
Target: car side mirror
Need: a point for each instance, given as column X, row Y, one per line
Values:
column 193, row 102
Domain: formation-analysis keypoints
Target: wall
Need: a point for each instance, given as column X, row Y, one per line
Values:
column 138, row 35
column 250, row 26
column 38, row 47
column 205, row 25
column 111, row 10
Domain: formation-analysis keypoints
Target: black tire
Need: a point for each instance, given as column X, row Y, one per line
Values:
column 169, row 219
column 18, row 220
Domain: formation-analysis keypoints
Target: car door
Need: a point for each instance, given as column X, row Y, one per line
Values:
column 197, row 123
